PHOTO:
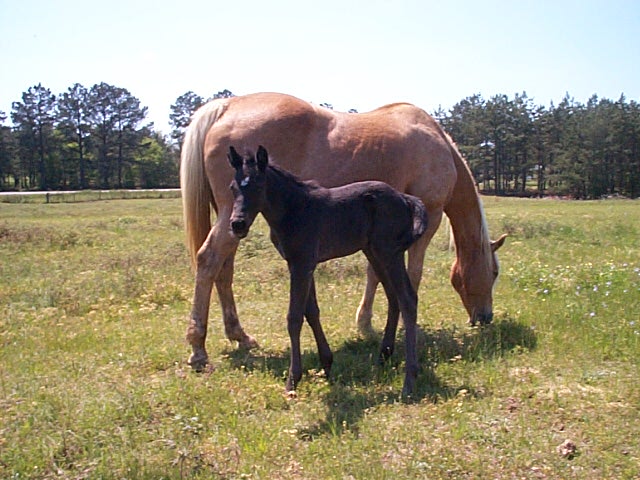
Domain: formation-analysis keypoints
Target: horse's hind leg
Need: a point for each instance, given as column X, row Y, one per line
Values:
column 312, row 313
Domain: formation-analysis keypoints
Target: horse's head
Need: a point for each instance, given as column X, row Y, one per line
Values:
column 248, row 188
column 474, row 279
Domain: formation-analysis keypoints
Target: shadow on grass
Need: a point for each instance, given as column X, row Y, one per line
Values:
column 358, row 383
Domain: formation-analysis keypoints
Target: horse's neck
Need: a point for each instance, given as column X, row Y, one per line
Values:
column 466, row 214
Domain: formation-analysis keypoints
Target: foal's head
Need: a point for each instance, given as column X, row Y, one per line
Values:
column 248, row 188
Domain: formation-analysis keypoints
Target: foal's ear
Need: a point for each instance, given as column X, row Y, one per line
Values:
column 234, row 158
column 498, row 243
column 263, row 158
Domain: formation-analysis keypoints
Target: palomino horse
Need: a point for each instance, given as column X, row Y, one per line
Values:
column 399, row 144
column 311, row 224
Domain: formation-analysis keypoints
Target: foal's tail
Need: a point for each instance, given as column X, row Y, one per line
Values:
column 197, row 198
column 420, row 220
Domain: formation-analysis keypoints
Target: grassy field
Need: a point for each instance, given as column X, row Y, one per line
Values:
column 94, row 299
column 86, row 195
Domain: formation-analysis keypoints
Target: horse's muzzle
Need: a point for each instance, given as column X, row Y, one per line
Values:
column 481, row 318
column 239, row 228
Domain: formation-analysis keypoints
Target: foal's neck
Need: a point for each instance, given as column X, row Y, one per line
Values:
column 285, row 195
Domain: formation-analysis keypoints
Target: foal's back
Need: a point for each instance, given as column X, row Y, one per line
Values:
column 366, row 214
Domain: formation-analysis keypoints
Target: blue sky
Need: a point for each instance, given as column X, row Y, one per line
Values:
column 352, row 54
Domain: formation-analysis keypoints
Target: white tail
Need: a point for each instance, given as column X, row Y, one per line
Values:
column 196, row 193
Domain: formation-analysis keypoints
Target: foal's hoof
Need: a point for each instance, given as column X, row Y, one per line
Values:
column 385, row 354
column 407, row 393
column 247, row 342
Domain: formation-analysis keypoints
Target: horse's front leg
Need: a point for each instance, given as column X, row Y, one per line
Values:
column 364, row 314
column 232, row 328
column 417, row 251
column 219, row 247
column 301, row 278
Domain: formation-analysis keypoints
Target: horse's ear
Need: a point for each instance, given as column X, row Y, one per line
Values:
column 499, row 242
column 263, row 158
column 234, row 158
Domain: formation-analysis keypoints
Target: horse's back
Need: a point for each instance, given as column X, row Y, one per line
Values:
column 399, row 144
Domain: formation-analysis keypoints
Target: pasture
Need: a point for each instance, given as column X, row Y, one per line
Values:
column 94, row 300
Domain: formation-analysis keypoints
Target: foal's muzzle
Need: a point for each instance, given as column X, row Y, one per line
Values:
column 239, row 228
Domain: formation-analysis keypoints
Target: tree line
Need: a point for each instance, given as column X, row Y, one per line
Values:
column 515, row 147
column 99, row 137
column 83, row 138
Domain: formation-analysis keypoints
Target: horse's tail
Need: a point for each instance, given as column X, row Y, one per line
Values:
column 419, row 216
column 197, row 198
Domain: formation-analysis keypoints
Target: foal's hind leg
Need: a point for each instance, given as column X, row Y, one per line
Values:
column 397, row 284
column 312, row 313
column 408, row 302
column 417, row 252
column 393, row 312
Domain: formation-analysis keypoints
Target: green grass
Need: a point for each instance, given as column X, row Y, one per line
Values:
column 94, row 300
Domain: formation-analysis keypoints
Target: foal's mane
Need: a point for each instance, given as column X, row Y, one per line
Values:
column 303, row 185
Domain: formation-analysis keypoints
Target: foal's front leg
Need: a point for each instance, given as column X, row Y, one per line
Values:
column 301, row 278
column 312, row 312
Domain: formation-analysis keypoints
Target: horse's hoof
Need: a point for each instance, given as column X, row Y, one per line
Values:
column 248, row 343
column 366, row 332
column 198, row 362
